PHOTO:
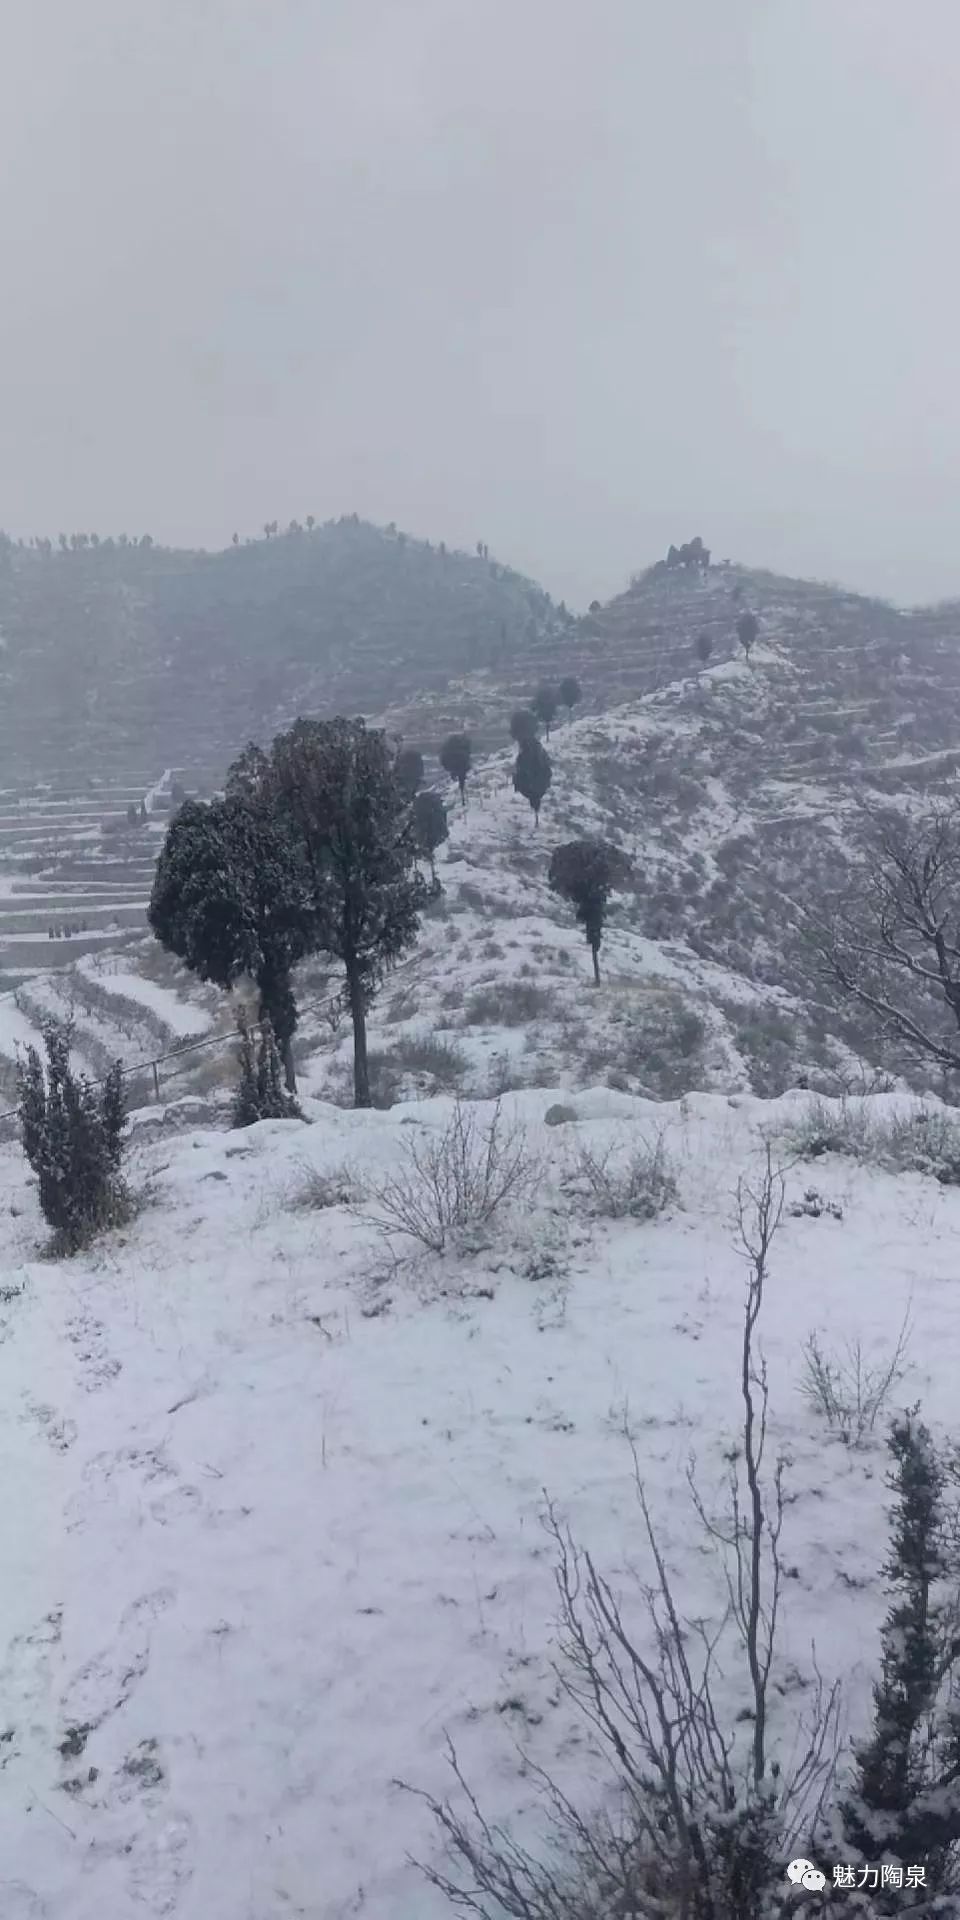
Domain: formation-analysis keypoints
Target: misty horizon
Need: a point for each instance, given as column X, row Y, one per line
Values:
column 742, row 562
column 575, row 286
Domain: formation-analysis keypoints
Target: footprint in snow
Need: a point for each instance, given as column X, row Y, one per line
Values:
column 104, row 1684
column 60, row 1433
column 176, row 1505
column 161, row 1865
column 108, row 1474
column 19, row 1902
column 88, row 1338
column 25, row 1675
column 143, row 1775
column 140, row 1782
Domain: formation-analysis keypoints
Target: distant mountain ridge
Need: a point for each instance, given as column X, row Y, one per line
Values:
column 131, row 656
column 117, row 658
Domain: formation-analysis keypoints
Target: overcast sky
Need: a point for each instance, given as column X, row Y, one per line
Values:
column 577, row 277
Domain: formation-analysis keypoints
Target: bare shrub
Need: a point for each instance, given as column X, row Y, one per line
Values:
column 656, row 1048
column 768, row 1038
column 630, row 1181
column 505, row 1075
column 848, row 1391
column 922, row 1140
column 512, row 1003
column 423, row 1053
column 315, row 1191
column 453, row 1185
column 823, row 1129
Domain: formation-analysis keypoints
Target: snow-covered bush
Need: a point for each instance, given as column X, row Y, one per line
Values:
column 315, row 1191
column 923, row 1140
column 825, row 1127
column 444, row 1063
column 73, row 1137
column 453, row 1184
column 631, row 1180
column 508, row 1003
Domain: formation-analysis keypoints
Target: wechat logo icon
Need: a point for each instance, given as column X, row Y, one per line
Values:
column 803, row 1873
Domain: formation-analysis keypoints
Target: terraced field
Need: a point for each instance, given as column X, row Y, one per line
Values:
column 75, row 877
column 75, row 867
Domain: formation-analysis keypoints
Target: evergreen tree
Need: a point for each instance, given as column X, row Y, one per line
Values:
column 585, row 872
column 232, row 896
column 532, row 775
column 410, row 770
column 704, row 648
column 334, row 785
column 545, row 704
column 455, row 759
column 73, row 1137
column 748, row 626
column 523, row 725
column 570, row 692
column 430, row 826
column 905, row 1802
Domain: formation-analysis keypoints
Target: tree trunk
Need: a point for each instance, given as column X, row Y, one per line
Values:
column 358, row 1014
column 277, row 1004
column 595, row 952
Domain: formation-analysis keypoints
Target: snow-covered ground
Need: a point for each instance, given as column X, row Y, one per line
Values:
column 184, row 1018
column 274, row 1496
column 16, row 1030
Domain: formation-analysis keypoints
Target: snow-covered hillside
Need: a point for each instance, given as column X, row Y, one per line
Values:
column 732, row 790
column 702, row 988
column 275, row 1485
column 496, row 994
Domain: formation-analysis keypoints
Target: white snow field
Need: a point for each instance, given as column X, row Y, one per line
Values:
column 274, row 1489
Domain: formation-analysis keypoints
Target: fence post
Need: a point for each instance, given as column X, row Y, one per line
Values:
column 156, row 1079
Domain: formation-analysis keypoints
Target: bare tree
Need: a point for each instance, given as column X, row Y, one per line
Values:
column 895, row 946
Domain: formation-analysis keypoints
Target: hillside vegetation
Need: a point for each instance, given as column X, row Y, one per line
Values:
column 730, row 780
